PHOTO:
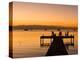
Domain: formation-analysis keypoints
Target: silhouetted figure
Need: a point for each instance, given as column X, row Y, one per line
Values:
column 57, row 47
column 60, row 33
column 52, row 33
column 67, row 33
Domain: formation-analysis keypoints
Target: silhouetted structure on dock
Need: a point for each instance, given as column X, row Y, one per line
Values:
column 57, row 46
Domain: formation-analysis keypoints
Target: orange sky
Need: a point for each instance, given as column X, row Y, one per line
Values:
column 44, row 14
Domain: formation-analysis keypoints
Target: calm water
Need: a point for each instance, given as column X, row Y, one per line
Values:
column 27, row 43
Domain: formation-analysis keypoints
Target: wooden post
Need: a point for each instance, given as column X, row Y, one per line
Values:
column 40, row 41
column 43, row 42
column 73, row 41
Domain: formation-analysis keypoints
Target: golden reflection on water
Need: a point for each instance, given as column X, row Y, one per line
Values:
column 27, row 43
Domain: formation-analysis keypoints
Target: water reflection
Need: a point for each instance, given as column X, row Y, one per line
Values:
column 27, row 43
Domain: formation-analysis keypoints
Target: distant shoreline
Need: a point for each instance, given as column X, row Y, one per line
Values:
column 42, row 28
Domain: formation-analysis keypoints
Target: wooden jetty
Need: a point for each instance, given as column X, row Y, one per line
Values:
column 43, row 44
column 57, row 46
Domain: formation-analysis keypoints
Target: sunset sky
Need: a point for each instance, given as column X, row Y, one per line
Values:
column 44, row 14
